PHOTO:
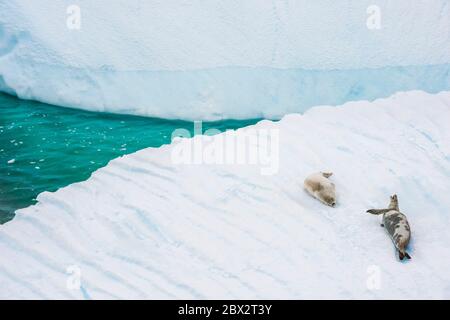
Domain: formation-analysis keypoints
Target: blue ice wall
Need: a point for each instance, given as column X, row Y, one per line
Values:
column 227, row 92
column 221, row 59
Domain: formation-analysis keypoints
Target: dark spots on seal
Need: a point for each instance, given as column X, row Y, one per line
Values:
column 390, row 226
column 395, row 218
column 397, row 226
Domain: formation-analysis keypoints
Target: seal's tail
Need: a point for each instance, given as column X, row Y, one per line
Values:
column 402, row 255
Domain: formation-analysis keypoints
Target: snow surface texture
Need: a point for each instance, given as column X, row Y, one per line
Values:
column 221, row 59
column 143, row 227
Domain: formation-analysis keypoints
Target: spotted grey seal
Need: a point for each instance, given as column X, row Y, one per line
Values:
column 320, row 187
column 397, row 226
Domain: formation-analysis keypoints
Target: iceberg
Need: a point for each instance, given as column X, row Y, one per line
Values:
column 146, row 227
column 219, row 60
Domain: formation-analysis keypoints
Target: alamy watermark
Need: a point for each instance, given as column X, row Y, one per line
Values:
column 373, row 281
column 73, row 281
column 73, row 21
column 249, row 146
column 373, row 21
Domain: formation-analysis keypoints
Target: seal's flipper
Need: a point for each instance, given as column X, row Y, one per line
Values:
column 401, row 256
column 327, row 174
column 377, row 211
column 407, row 256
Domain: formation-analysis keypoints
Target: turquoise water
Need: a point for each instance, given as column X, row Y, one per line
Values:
column 44, row 148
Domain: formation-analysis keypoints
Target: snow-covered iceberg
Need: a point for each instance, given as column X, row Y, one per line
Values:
column 144, row 227
column 221, row 59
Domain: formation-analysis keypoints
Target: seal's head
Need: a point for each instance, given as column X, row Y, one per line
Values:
column 329, row 199
column 394, row 202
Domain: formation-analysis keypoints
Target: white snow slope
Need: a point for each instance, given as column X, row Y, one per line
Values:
column 143, row 227
column 221, row 59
